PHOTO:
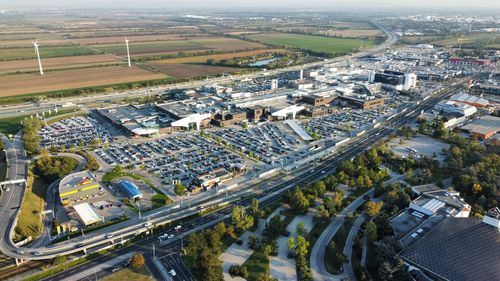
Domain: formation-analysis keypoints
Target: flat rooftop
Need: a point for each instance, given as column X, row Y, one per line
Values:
column 484, row 125
column 77, row 181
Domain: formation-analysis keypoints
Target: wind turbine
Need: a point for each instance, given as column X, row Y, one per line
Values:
column 128, row 53
column 35, row 43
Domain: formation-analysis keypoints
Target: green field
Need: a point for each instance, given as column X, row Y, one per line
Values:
column 468, row 40
column 29, row 220
column 335, row 46
column 45, row 52
column 204, row 44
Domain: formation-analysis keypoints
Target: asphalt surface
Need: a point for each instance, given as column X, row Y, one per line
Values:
column 10, row 201
column 267, row 196
column 174, row 262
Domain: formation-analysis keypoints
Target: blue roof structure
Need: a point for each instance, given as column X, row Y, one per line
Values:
column 130, row 189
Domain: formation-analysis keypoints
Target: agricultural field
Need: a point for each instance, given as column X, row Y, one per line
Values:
column 352, row 33
column 203, row 59
column 75, row 78
column 135, row 38
column 488, row 39
column 9, row 54
column 202, row 44
column 190, row 70
column 334, row 46
column 57, row 63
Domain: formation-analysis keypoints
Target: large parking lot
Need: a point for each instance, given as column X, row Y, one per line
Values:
column 339, row 125
column 266, row 143
column 73, row 132
column 177, row 158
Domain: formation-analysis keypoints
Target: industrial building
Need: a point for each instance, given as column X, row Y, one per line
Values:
column 481, row 88
column 78, row 187
column 426, row 211
column 87, row 214
column 483, row 128
column 449, row 106
column 130, row 190
column 459, row 249
column 398, row 80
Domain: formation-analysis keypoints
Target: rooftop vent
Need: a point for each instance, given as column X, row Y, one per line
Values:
column 492, row 217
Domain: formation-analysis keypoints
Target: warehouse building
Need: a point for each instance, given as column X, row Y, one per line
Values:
column 484, row 127
column 78, row 187
column 459, row 249
column 130, row 190
column 87, row 214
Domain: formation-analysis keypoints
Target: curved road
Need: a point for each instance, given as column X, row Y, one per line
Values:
column 10, row 201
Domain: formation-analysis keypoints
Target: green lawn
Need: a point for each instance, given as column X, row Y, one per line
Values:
column 257, row 265
column 330, row 45
column 140, row 274
column 45, row 52
column 12, row 125
column 30, row 222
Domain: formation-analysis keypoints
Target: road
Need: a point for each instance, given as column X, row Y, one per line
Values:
column 269, row 195
column 10, row 201
column 135, row 226
column 32, row 108
column 51, row 201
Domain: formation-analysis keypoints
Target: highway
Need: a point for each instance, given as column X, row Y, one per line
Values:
column 32, row 108
column 275, row 192
column 18, row 170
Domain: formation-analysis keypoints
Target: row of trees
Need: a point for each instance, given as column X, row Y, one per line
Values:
column 203, row 250
column 31, row 138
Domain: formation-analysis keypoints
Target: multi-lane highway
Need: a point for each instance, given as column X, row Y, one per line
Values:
column 32, row 108
column 272, row 194
column 18, row 168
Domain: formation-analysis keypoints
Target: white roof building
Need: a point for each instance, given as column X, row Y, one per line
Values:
column 87, row 213
column 453, row 106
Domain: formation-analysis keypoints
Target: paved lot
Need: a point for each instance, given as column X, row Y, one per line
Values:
column 281, row 267
column 424, row 145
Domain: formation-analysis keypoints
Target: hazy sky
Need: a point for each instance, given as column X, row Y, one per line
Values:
column 491, row 5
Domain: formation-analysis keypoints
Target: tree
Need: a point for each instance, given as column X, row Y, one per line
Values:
column 240, row 220
column 291, row 244
column 300, row 229
column 255, row 208
column 137, row 260
column 373, row 208
column 299, row 202
column 1, row 145
column 59, row 260
column 322, row 215
column 371, row 231
column 179, row 189
column 117, row 169
column 267, row 250
column 252, row 241
column 274, row 228
column 220, row 228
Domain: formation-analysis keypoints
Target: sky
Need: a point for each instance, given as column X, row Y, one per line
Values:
column 491, row 5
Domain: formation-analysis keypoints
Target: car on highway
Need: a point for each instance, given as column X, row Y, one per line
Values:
column 148, row 224
column 21, row 252
column 170, row 236
column 37, row 253
column 7, row 189
column 110, row 235
column 172, row 272
column 115, row 269
column 178, row 227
